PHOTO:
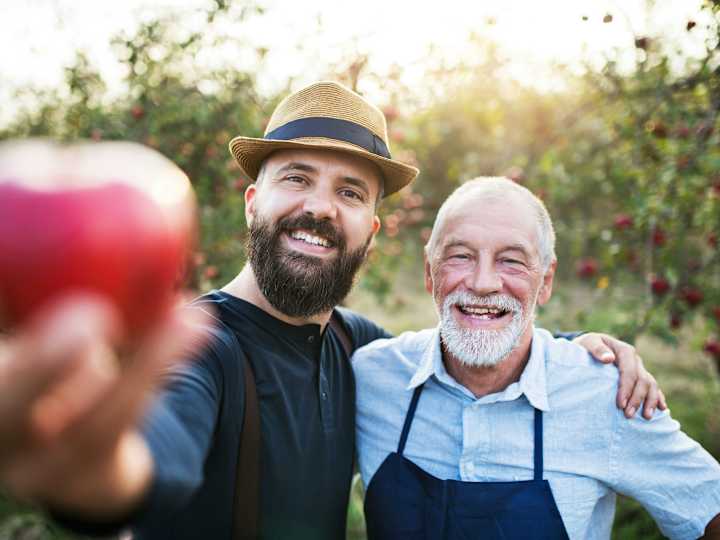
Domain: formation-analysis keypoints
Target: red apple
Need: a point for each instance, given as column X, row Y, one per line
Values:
column 137, row 112
column 658, row 237
column 587, row 268
column 623, row 221
column 716, row 313
column 675, row 321
column 691, row 296
column 659, row 285
column 111, row 218
column 712, row 347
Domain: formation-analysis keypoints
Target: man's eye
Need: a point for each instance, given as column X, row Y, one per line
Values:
column 513, row 261
column 349, row 193
column 460, row 256
column 296, row 179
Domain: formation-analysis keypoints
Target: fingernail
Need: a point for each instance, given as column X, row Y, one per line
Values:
column 631, row 411
column 607, row 355
column 624, row 402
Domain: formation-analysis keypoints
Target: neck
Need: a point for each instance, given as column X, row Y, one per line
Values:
column 245, row 287
column 484, row 380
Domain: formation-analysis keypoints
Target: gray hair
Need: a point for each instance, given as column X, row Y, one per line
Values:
column 497, row 188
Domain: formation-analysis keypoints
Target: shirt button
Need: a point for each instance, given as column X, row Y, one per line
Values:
column 323, row 395
column 311, row 339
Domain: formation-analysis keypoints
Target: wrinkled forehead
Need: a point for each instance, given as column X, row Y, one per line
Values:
column 477, row 218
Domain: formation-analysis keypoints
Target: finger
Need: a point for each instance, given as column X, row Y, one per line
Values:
column 76, row 393
column 122, row 405
column 652, row 399
column 629, row 365
column 48, row 350
column 596, row 346
column 638, row 394
column 662, row 405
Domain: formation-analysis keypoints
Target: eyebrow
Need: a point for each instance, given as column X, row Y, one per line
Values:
column 359, row 183
column 296, row 166
column 511, row 247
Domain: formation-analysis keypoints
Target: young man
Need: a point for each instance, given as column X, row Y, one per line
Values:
column 321, row 169
column 487, row 427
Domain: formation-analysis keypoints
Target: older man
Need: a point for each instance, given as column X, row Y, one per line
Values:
column 321, row 169
column 487, row 427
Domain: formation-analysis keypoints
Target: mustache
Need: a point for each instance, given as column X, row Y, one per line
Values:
column 320, row 227
column 500, row 301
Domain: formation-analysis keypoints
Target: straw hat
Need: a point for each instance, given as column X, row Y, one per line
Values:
column 325, row 115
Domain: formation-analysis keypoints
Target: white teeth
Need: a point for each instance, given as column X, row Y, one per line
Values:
column 481, row 310
column 309, row 238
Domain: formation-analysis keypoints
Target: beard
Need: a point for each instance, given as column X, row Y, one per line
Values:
column 296, row 284
column 477, row 347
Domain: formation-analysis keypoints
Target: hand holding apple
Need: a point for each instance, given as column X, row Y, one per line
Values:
column 111, row 218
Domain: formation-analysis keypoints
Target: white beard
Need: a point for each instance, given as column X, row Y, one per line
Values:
column 481, row 348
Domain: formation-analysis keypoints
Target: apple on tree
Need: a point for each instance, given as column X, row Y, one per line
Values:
column 115, row 219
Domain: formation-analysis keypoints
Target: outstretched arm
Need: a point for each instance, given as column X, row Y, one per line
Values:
column 637, row 385
column 70, row 408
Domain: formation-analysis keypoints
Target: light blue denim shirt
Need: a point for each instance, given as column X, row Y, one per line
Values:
column 591, row 450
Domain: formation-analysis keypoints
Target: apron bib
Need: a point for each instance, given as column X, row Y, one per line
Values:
column 403, row 502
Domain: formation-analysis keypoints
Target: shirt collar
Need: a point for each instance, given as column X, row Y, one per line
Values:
column 532, row 381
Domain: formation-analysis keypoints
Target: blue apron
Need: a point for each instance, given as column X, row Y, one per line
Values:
column 403, row 502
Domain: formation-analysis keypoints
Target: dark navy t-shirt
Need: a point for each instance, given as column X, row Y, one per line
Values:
column 306, row 395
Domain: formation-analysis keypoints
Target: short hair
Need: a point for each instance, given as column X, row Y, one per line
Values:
column 488, row 188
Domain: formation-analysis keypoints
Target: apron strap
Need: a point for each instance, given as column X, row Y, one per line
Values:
column 409, row 418
column 538, row 444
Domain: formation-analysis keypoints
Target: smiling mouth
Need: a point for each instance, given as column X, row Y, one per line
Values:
column 486, row 313
column 310, row 238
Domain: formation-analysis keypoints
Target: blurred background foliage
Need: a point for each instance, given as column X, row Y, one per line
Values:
column 627, row 161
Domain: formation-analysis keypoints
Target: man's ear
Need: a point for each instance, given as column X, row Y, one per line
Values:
column 250, row 194
column 546, row 287
column 376, row 225
column 373, row 233
column 428, row 274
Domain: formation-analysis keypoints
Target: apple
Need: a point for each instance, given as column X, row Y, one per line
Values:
column 587, row 268
column 137, row 112
column 658, row 237
column 716, row 313
column 114, row 219
column 712, row 347
column 623, row 221
column 691, row 296
column 675, row 321
column 659, row 285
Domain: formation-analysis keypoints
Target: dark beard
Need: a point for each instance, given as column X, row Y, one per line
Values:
column 301, row 285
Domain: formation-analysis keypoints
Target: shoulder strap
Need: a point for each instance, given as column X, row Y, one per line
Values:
column 246, row 513
column 338, row 326
column 246, row 506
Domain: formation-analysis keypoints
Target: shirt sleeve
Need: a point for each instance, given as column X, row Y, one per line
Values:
column 178, row 430
column 363, row 330
column 671, row 475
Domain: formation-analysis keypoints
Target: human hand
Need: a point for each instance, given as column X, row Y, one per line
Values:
column 70, row 405
column 636, row 383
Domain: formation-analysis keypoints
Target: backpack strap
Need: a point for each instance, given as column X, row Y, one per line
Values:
column 338, row 326
column 246, row 505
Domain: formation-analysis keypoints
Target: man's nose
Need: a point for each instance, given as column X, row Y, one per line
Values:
column 484, row 279
column 320, row 206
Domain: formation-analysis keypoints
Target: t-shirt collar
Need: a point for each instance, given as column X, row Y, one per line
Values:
column 532, row 381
